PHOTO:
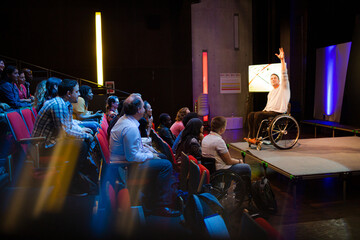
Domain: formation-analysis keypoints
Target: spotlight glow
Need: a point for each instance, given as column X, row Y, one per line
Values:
column 99, row 60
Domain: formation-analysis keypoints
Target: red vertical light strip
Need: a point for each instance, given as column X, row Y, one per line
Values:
column 205, row 77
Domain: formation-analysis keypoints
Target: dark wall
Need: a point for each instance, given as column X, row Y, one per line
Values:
column 350, row 113
column 307, row 25
column 146, row 44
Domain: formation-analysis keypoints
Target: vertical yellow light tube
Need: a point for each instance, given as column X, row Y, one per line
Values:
column 99, row 57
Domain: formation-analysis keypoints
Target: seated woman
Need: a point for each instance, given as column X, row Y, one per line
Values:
column 9, row 93
column 190, row 140
column 22, row 89
column 164, row 129
column 39, row 95
column 178, row 125
column 146, row 122
column 80, row 110
column 214, row 146
column 112, row 104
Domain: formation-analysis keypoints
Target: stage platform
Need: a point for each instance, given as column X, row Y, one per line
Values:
column 309, row 158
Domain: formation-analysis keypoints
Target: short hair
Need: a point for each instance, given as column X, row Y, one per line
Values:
column 146, row 103
column 217, row 123
column 275, row 75
column 189, row 116
column 163, row 117
column 131, row 107
column 65, row 86
column 84, row 91
column 181, row 113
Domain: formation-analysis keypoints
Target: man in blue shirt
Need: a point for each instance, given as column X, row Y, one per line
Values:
column 126, row 145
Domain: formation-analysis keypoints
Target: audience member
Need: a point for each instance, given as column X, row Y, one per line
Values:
column 146, row 122
column 29, row 80
column 115, row 119
column 21, row 88
column 81, row 107
column 112, row 104
column 54, row 119
column 190, row 140
column 126, row 145
column 39, row 95
column 215, row 147
column 2, row 66
column 164, row 129
column 52, row 85
column 178, row 125
column 9, row 93
column 185, row 120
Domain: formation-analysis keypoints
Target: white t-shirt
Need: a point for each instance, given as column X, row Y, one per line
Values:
column 278, row 98
column 212, row 145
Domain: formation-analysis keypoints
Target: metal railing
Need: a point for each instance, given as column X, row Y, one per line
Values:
column 53, row 73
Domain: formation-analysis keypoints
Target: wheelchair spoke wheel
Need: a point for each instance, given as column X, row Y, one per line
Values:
column 229, row 189
column 284, row 132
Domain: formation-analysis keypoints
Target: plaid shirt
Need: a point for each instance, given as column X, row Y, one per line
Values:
column 55, row 116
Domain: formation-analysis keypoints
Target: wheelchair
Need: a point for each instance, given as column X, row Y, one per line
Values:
column 282, row 131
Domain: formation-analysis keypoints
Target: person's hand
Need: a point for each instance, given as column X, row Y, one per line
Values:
column 281, row 54
column 156, row 156
column 241, row 161
column 87, row 130
column 90, row 138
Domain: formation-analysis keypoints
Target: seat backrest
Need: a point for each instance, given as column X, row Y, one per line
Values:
column 103, row 133
column 250, row 229
column 162, row 146
column 104, row 146
column 288, row 111
column 184, row 171
column 17, row 125
column 29, row 118
column 272, row 233
column 33, row 109
column 194, row 177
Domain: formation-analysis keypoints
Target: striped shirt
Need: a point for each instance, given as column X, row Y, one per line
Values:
column 54, row 117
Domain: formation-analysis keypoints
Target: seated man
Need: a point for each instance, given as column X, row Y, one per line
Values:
column 277, row 103
column 126, row 145
column 55, row 121
column 164, row 129
column 215, row 147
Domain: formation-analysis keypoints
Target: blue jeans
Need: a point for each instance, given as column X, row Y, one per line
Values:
column 93, row 125
column 241, row 169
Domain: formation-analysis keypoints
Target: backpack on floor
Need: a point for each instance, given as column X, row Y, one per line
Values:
column 263, row 196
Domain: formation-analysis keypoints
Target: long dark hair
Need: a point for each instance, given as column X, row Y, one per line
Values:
column 51, row 92
column 84, row 91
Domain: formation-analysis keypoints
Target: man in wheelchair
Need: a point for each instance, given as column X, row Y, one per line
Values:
column 277, row 100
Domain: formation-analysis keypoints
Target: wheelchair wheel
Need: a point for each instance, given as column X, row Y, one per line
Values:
column 229, row 188
column 284, row 131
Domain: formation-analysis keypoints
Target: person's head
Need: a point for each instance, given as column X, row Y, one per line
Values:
column 112, row 102
column 218, row 124
column 148, row 109
column 189, row 116
column 28, row 74
column 86, row 92
column 69, row 90
column 39, row 94
column 193, row 129
column 134, row 106
column 52, row 85
column 165, row 120
column 274, row 80
column 182, row 113
column 21, row 79
column 2, row 65
column 11, row 74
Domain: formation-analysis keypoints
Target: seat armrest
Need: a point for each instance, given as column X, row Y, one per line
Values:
column 33, row 140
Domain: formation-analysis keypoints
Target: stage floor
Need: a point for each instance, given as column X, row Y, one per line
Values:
column 309, row 158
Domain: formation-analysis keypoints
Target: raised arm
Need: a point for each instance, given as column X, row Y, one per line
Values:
column 284, row 77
